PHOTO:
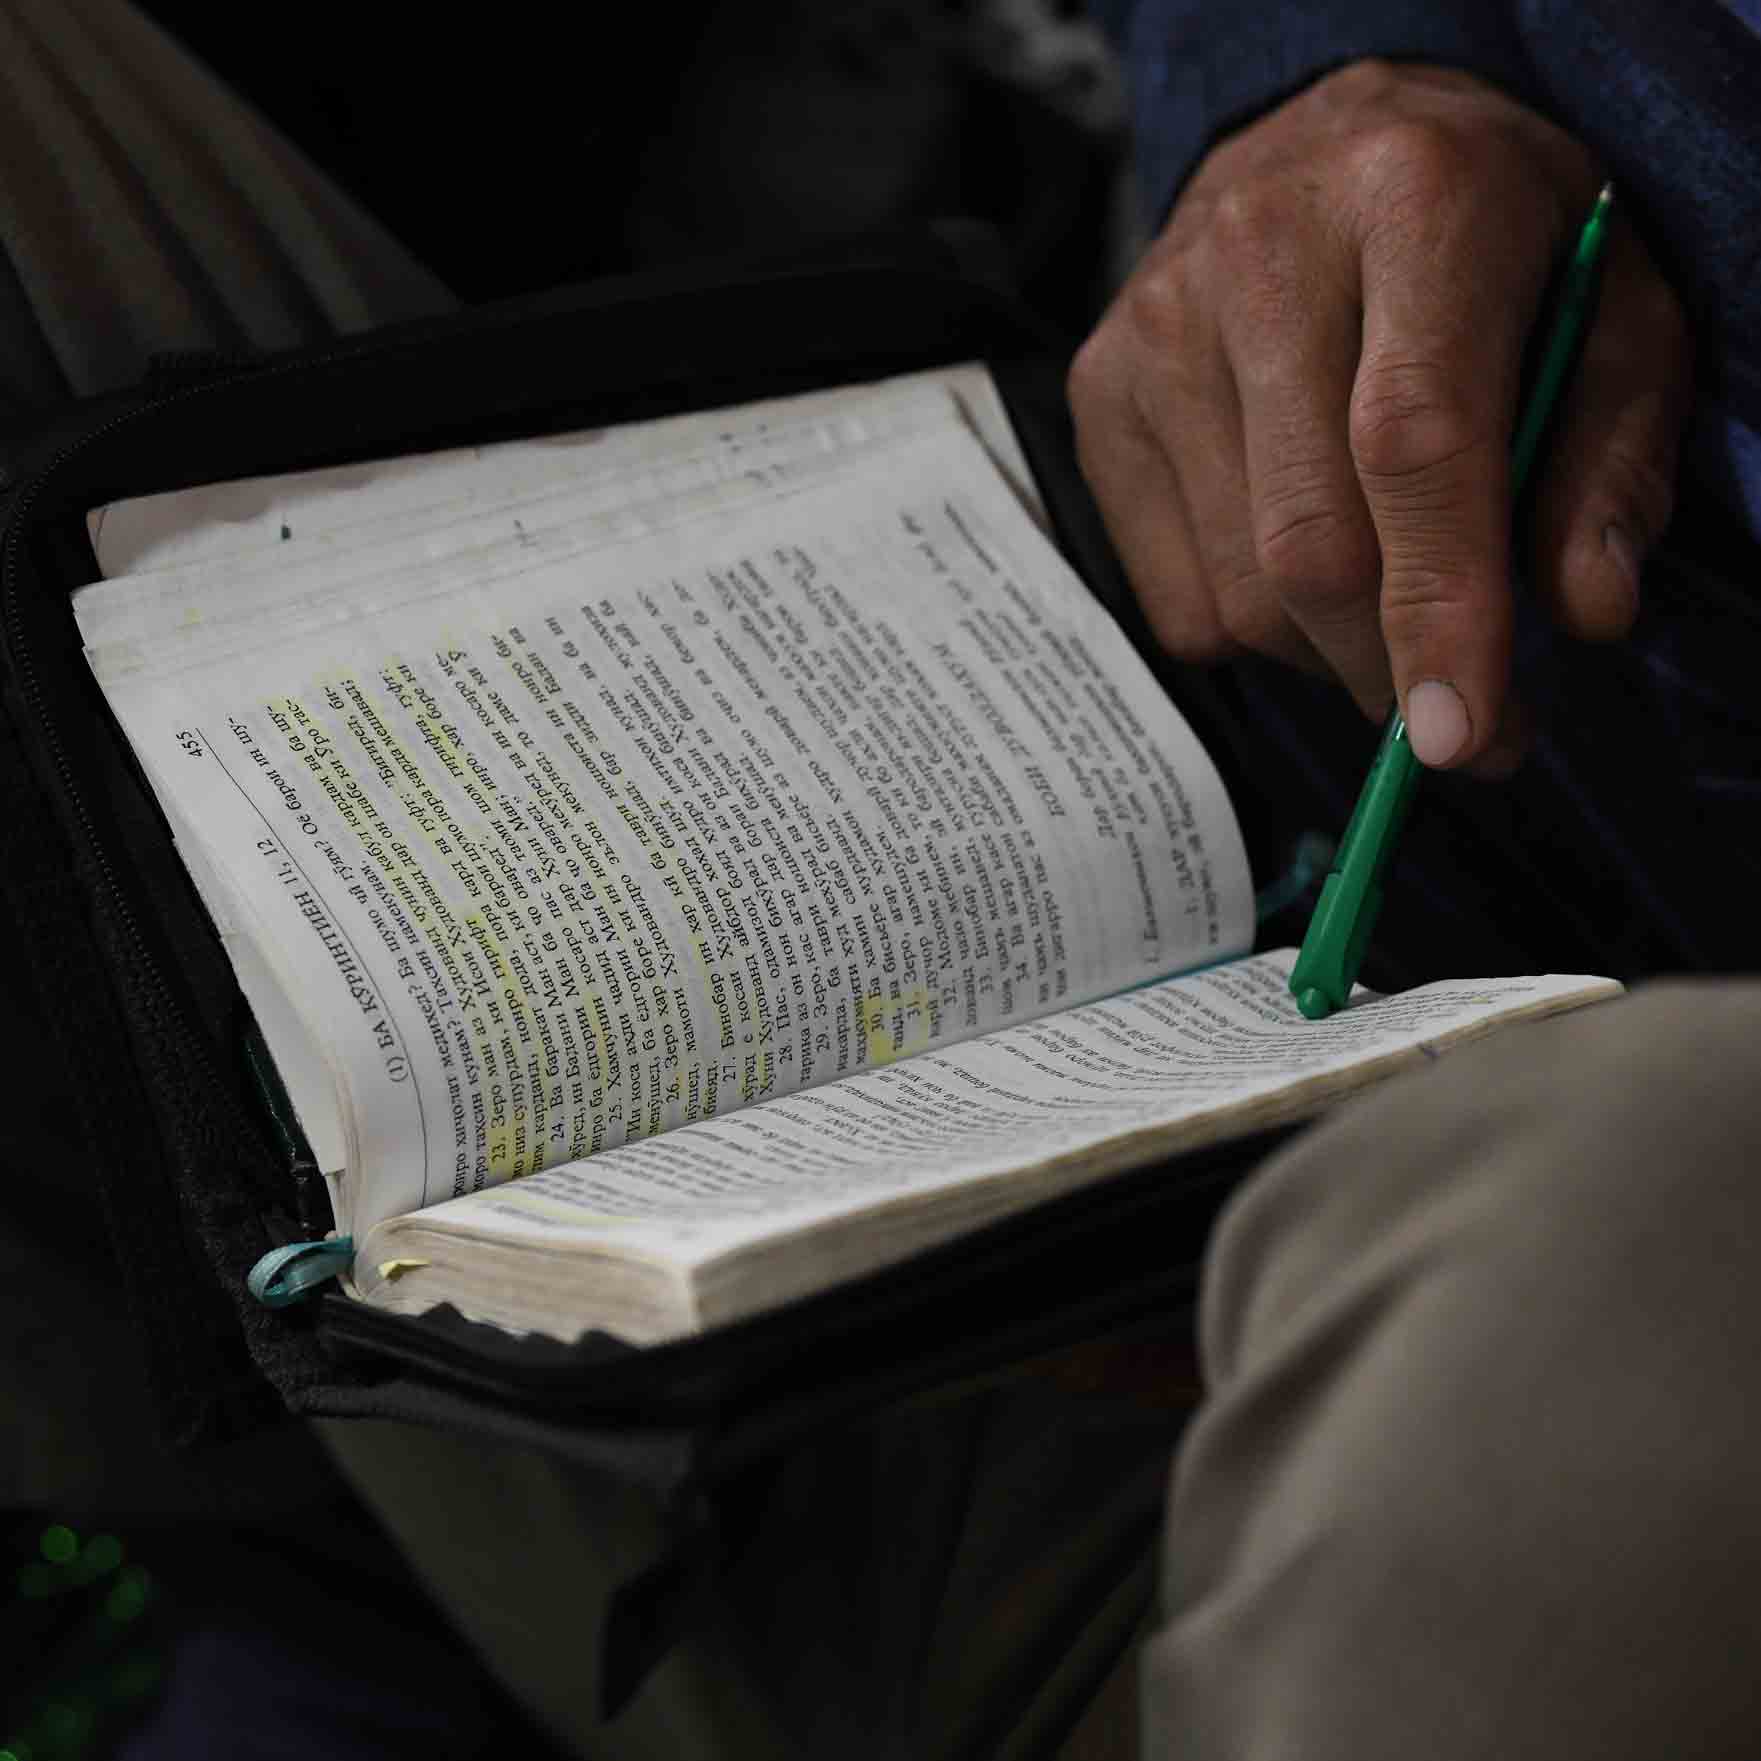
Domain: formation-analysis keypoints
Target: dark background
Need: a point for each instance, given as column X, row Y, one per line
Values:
column 516, row 147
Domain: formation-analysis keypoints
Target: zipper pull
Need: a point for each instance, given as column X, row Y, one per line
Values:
column 289, row 1274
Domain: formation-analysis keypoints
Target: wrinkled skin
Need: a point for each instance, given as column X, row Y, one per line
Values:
column 1296, row 415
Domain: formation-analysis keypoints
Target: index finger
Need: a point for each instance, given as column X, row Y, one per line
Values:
column 1449, row 296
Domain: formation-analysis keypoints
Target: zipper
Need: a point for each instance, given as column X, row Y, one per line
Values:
column 165, row 1017
column 638, row 1383
column 688, row 1379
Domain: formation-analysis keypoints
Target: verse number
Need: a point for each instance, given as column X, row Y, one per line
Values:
column 189, row 742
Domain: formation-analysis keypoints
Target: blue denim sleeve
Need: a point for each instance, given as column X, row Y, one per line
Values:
column 1198, row 69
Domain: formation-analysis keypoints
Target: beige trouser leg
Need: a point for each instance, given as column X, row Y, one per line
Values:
column 1480, row 1474
column 144, row 208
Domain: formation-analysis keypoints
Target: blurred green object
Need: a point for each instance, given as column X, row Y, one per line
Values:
column 85, row 1653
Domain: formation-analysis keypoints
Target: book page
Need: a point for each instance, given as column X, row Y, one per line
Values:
column 1069, row 1098
column 173, row 617
column 558, row 850
column 339, row 508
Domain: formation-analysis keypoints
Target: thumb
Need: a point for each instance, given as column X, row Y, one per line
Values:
column 1610, row 487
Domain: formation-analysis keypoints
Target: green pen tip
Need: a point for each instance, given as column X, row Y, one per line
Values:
column 1313, row 1003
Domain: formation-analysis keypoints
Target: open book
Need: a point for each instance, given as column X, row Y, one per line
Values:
column 679, row 868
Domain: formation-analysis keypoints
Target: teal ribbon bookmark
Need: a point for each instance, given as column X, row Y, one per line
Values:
column 290, row 1274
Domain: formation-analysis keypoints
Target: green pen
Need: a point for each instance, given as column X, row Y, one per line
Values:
column 1339, row 932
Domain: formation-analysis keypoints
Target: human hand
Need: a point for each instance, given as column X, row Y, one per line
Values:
column 1296, row 416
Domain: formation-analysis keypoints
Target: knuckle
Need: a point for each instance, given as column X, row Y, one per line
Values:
column 1362, row 81
column 1192, row 212
column 1642, row 485
column 1410, row 419
column 1413, row 163
column 1245, row 218
column 1421, row 592
column 1425, row 149
column 1314, row 554
column 1158, row 305
column 1422, row 610
column 1086, row 382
